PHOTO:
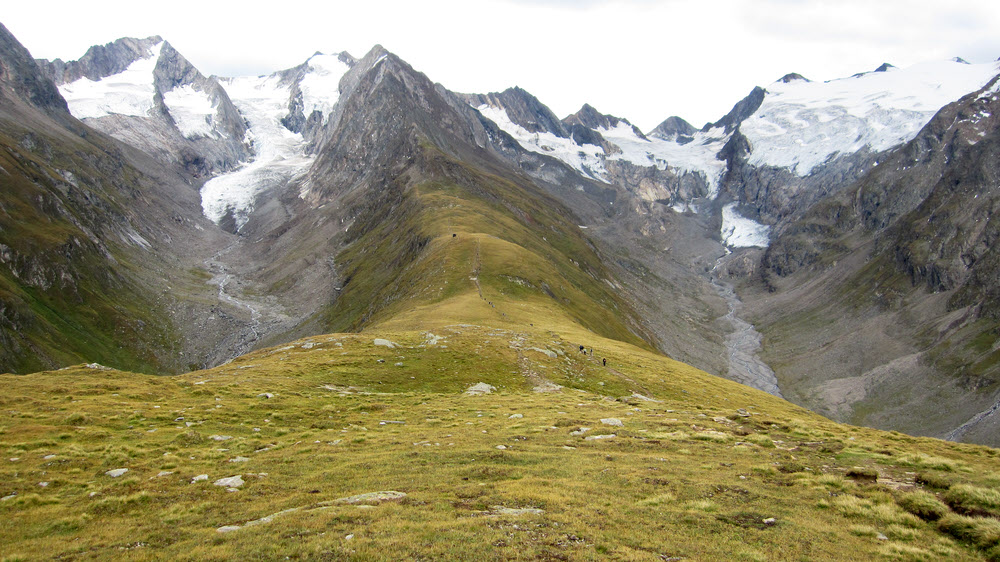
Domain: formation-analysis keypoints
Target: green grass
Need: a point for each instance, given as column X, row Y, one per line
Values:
column 684, row 476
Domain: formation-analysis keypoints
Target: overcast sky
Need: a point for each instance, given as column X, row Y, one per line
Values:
column 644, row 60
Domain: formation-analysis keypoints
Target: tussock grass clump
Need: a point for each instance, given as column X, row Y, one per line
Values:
column 835, row 482
column 120, row 504
column 76, row 418
column 863, row 474
column 760, row 440
column 935, row 480
column 791, row 467
column 923, row 504
column 982, row 533
column 714, row 436
column 861, row 508
column 923, row 460
column 973, row 500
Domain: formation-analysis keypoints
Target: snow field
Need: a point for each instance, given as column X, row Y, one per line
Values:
column 586, row 159
column 192, row 110
column 802, row 124
column 321, row 85
column 741, row 232
column 279, row 153
column 129, row 92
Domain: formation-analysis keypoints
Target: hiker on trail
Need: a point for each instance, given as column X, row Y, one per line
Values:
column 605, row 361
column 581, row 349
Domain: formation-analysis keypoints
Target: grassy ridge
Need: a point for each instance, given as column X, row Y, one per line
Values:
column 457, row 232
column 699, row 473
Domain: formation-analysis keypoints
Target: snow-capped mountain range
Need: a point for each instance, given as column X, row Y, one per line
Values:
column 798, row 125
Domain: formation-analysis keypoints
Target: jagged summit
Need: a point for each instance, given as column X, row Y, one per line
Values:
column 674, row 128
column 791, row 77
column 884, row 67
column 590, row 118
column 522, row 109
column 101, row 60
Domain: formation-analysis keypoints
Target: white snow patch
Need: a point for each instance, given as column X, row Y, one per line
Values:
column 697, row 156
column 192, row 110
column 586, row 159
column 801, row 125
column 321, row 85
column 741, row 232
column 279, row 153
column 129, row 92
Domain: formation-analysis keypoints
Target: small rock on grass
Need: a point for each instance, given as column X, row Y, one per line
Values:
column 385, row 343
column 612, row 421
column 199, row 478
column 479, row 389
column 372, row 497
column 230, row 482
column 501, row 510
column 116, row 472
column 596, row 437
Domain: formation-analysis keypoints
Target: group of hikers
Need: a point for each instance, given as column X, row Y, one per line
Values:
column 590, row 352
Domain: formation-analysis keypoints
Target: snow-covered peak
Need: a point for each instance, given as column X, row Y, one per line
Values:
column 587, row 159
column 697, row 156
column 801, row 125
column 320, row 86
column 129, row 92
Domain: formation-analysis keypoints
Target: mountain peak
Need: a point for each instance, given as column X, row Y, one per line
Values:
column 589, row 117
column 884, row 67
column 102, row 60
column 20, row 73
column 792, row 77
column 673, row 128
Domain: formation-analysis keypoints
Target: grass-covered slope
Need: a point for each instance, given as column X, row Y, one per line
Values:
column 644, row 459
column 464, row 245
column 65, row 284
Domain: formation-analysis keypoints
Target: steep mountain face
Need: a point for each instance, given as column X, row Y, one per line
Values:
column 884, row 295
column 143, row 92
column 90, row 239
